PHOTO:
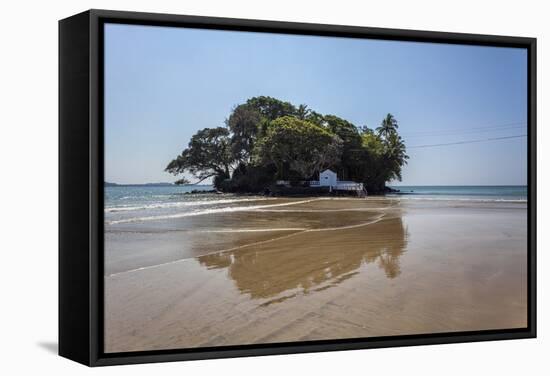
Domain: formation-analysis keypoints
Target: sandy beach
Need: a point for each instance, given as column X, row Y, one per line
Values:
column 297, row 269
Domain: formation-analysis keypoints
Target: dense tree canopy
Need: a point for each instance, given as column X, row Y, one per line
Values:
column 266, row 139
column 298, row 145
column 271, row 108
column 208, row 155
column 244, row 124
column 351, row 158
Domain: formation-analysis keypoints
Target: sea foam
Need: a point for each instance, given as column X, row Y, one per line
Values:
column 229, row 209
column 167, row 205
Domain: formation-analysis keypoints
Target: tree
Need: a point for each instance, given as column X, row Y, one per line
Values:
column 396, row 153
column 364, row 129
column 372, row 171
column 302, row 112
column 382, row 159
column 182, row 181
column 271, row 108
column 316, row 118
column 388, row 126
column 351, row 139
column 295, row 145
column 244, row 123
column 207, row 155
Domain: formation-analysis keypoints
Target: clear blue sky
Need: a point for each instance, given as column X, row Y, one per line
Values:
column 163, row 84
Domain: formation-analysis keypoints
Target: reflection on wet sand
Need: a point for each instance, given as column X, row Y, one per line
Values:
column 136, row 245
column 267, row 270
column 321, row 269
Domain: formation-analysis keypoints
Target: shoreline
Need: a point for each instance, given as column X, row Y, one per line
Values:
column 315, row 269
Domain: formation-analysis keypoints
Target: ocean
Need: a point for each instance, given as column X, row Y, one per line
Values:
column 125, row 204
column 487, row 193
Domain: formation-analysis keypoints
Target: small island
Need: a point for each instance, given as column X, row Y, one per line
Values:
column 269, row 145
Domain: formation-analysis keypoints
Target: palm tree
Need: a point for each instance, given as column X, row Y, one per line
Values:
column 302, row 112
column 387, row 127
column 396, row 154
column 397, row 148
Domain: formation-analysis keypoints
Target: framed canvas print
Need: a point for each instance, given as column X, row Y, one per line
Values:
column 236, row 187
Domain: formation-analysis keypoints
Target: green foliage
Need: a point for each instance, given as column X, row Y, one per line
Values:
column 302, row 112
column 267, row 139
column 351, row 158
column 271, row 108
column 396, row 154
column 207, row 155
column 315, row 118
column 295, row 145
column 373, row 171
column 250, row 178
column 384, row 155
column 182, row 181
column 244, row 123
column 388, row 126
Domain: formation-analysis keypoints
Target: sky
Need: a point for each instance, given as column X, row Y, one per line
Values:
column 163, row 84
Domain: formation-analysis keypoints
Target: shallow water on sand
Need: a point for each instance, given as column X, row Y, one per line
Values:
column 286, row 269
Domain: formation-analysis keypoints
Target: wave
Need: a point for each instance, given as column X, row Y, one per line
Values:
column 232, row 230
column 325, row 210
column 488, row 200
column 229, row 209
column 142, row 197
column 167, row 205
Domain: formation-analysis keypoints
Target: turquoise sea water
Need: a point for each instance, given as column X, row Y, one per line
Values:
column 482, row 192
column 140, row 195
column 134, row 203
column 125, row 204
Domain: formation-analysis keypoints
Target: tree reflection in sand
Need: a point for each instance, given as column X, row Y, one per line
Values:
column 311, row 261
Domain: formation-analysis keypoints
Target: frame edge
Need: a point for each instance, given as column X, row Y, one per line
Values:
column 74, row 250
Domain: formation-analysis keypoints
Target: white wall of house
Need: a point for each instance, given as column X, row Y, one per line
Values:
column 328, row 178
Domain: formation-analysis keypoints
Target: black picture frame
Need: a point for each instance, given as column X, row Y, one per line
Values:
column 81, row 186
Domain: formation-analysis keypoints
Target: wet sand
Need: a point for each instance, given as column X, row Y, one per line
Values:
column 313, row 269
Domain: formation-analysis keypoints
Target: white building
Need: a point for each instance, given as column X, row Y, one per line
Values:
column 328, row 178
